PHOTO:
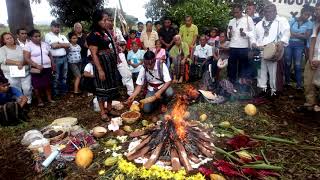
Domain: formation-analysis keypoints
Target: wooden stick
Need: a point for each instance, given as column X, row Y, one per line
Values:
column 143, row 143
column 140, row 153
column 183, row 156
column 176, row 166
column 154, row 156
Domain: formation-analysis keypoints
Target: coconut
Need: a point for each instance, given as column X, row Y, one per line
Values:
column 250, row 110
column 99, row 131
column 84, row 157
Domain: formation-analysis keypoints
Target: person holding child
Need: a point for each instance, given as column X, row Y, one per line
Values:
column 133, row 38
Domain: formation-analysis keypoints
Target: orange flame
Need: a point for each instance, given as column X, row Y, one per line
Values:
column 177, row 116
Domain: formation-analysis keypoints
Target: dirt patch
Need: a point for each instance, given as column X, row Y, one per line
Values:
column 277, row 118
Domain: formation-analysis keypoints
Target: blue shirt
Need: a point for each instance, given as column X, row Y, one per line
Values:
column 294, row 27
column 13, row 94
column 135, row 58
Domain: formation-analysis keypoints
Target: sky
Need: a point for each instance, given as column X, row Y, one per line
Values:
column 41, row 12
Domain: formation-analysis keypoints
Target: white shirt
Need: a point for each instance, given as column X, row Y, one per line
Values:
column 89, row 68
column 154, row 80
column 119, row 36
column 316, row 52
column 203, row 52
column 246, row 23
column 21, row 44
column 279, row 31
column 51, row 38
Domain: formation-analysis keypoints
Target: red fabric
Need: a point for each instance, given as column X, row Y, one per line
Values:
column 137, row 40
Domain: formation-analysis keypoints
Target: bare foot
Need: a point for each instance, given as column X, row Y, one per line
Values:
column 180, row 80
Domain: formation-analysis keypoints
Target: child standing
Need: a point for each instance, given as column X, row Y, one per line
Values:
column 160, row 52
column 74, row 60
column 214, row 37
column 133, row 38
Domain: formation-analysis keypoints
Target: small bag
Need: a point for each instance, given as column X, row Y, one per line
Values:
column 34, row 70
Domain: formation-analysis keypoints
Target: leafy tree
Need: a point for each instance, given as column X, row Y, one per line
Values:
column 70, row 11
column 205, row 13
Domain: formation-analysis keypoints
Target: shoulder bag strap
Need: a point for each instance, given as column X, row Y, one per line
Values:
column 41, row 55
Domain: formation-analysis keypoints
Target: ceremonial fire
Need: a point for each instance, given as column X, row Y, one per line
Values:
column 176, row 141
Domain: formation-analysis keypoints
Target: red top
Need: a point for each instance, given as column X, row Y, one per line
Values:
column 137, row 40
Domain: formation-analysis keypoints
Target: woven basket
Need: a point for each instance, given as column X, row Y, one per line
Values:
column 130, row 120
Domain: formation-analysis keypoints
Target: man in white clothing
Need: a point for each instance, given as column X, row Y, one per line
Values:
column 58, row 43
column 240, row 29
column 203, row 55
column 271, row 29
column 22, row 37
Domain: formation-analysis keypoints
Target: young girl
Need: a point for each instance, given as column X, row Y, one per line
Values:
column 214, row 37
column 160, row 52
column 74, row 60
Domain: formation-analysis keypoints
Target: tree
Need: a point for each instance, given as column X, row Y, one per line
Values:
column 205, row 13
column 69, row 12
column 155, row 9
column 19, row 15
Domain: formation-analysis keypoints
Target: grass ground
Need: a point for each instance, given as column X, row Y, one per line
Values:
column 277, row 118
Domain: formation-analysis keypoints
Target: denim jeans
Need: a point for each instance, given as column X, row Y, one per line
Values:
column 60, row 75
column 147, row 108
column 294, row 53
column 239, row 65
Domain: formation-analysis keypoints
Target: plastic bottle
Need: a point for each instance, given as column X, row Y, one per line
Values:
column 52, row 156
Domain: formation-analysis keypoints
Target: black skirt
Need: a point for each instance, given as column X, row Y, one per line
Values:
column 108, row 89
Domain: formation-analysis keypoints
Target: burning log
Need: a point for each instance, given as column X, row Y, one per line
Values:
column 154, row 156
column 140, row 153
column 175, row 160
column 183, row 156
column 143, row 143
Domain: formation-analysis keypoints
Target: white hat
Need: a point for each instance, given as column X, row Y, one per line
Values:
column 222, row 63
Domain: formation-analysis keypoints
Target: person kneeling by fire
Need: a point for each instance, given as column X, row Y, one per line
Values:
column 155, row 75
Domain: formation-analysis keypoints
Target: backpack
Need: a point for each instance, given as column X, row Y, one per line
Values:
column 11, row 114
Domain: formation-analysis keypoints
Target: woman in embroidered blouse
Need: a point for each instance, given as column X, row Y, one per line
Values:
column 105, row 62
column 11, row 55
column 37, row 55
column 301, row 29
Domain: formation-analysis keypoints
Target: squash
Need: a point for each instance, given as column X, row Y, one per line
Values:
column 216, row 177
column 145, row 123
column 99, row 131
column 127, row 129
column 250, row 109
column 110, row 161
column 84, row 157
column 224, row 124
column 135, row 107
column 203, row 117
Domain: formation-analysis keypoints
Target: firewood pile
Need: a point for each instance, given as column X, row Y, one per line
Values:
column 175, row 141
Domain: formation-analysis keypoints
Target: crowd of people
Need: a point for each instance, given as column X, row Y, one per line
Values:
column 257, row 49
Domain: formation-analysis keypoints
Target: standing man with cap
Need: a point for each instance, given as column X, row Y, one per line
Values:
column 58, row 43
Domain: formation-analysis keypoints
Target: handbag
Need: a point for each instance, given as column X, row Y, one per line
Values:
column 34, row 70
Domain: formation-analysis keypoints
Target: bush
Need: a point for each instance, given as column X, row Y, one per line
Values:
column 205, row 13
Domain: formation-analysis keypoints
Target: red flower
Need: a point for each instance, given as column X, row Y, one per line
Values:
column 260, row 174
column 241, row 141
column 227, row 168
column 205, row 171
